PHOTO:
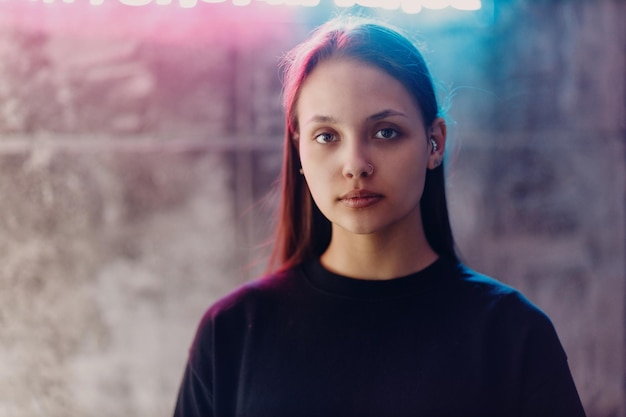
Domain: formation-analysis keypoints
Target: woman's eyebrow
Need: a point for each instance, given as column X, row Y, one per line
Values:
column 384, row 114
column 321, row 119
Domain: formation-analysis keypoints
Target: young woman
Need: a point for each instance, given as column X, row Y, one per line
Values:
column 368, row 311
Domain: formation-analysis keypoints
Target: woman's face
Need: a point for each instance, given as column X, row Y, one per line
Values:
column 364, row 147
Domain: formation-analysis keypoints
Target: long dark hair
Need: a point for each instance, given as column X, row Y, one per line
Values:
column 302, row 231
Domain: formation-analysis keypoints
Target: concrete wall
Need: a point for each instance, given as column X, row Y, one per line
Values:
column 133, row 155
column 555, row 179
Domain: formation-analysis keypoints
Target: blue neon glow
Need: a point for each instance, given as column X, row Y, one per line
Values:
column 413, row 6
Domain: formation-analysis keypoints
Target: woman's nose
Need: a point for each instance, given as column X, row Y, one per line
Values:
column 357, row 164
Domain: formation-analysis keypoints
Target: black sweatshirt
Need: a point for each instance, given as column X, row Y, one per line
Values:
column 444, row 341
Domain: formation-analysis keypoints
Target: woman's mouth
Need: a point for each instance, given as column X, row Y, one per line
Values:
column 360, row 199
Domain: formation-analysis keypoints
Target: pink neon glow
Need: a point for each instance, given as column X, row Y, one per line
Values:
column 188, row 4
column 135, row 2
column 409, row 6
column 91, row 19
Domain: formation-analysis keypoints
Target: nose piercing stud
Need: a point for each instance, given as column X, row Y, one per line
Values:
column 371, row 171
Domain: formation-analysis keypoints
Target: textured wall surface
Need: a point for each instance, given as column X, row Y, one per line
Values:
column 545, row 178
column 126, row 190
column 134, row 158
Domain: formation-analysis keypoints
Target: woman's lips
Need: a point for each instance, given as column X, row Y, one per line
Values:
column 360, row 198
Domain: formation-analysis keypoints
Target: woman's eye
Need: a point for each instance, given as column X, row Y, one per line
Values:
column 386, row 133
column 325, row 138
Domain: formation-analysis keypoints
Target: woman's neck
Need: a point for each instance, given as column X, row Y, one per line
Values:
column 377, row 256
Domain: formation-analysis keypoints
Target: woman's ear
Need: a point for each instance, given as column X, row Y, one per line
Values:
column 436, row 142
column 295, row 139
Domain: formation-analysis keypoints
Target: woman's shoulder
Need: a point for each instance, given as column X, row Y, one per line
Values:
column 501, row 301
column 233, row 313
column 262, row 290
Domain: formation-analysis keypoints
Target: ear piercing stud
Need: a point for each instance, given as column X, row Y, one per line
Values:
column 434, row 145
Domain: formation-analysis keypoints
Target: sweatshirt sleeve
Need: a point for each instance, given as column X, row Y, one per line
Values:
column 548, row 389
column 557, row 396
column 195, row 396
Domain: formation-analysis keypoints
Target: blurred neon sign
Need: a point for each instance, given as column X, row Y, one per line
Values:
column 408, row 6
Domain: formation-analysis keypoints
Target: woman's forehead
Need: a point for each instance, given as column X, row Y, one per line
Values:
column 341, row 88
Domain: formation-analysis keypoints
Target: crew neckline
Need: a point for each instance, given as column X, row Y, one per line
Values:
column 339, row 285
